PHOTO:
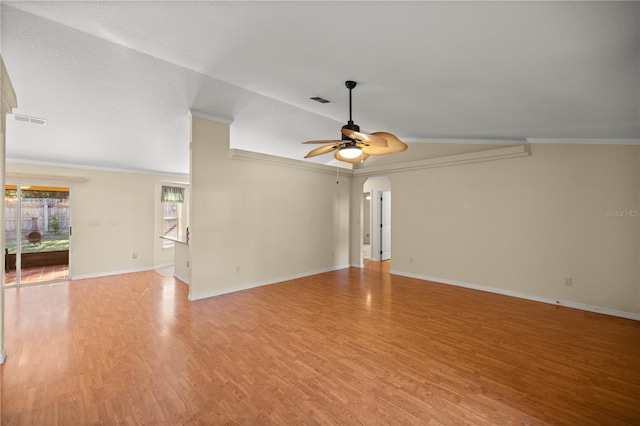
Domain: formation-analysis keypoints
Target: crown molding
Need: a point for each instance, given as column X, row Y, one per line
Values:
column 523, row 141
column 587, row 141
column 97, row 168
column 463, row 141
column 30, row 177
column 450, row 160
column 238, row 154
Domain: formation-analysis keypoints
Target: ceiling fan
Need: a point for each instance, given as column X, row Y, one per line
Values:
column 355, row 147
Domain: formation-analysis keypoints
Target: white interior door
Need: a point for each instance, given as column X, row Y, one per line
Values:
column 385, row 225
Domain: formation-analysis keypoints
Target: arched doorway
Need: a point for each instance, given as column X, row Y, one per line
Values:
column 376, row 214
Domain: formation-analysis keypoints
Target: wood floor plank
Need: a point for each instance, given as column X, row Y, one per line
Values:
column 355, row 346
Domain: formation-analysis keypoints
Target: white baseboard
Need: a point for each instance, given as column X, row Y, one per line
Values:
column 262, row 283
column 183, row 279
column 110, row 273
column 3, row 356
column 119, row 272
column 568, row 304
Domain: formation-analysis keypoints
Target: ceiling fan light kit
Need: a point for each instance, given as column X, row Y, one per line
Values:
column 354, row 146
column 350, row 152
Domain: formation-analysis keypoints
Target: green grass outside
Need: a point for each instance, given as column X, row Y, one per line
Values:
column 50, row 242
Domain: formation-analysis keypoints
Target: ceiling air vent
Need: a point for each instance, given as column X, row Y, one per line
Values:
column 32, row 120
column 321, row 100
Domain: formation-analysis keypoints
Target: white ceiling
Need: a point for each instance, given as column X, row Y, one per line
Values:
column 115, row 80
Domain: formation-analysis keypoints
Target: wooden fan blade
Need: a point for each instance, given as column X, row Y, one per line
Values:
column 393, row 143
column 321, row 150
column 369, row 139
column 322, row 141
column 356, row 160
column 374, row 150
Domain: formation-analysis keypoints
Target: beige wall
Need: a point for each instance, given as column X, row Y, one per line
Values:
column 523, row 225
column 519, row 225
column 258, row 221
column 113, row 215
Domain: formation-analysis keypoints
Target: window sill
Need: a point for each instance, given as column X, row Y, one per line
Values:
column 175, row 240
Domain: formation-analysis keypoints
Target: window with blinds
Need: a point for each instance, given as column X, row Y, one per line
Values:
column 172, row 200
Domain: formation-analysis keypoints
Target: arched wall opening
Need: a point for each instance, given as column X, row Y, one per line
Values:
column 376, row 221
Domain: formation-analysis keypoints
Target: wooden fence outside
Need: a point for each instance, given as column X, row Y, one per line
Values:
column 37, row 214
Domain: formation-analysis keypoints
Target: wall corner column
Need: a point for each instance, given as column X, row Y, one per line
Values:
column 8, row 101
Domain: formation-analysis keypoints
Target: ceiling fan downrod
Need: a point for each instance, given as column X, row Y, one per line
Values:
column 350, row 124
column 354, row 147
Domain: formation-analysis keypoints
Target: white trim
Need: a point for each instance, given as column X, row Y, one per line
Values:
column 565, row 303
column 462, row 141
column 238, row 154
column 205, row 116
column 183, row 279
column 29, row 177
column 3, row 356
column 119, row 272
column 262, row 283
column 506, row 141
column 163, row 265
column 184, row 185
column 110, row 273
column 587, row 141
column 98, row 168
column 449, row 160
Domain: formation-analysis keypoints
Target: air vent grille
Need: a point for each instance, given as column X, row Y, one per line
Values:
column 321, row 100
column 32, row 120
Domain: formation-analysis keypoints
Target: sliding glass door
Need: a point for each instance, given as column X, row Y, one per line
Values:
column 37, row 225
column 11, row 249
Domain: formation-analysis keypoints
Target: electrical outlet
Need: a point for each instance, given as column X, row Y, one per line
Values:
column 135, row 255
column 568, row 282
column 411, row 260
column 237, row 269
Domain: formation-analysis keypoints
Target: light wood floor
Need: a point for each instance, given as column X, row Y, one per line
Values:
column 346, row 347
